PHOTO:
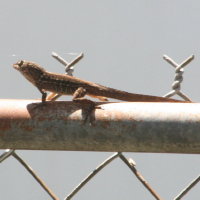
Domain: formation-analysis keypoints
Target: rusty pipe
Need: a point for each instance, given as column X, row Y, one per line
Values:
column 120, row 127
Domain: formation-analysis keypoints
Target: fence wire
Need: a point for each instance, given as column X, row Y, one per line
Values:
column 130, row 163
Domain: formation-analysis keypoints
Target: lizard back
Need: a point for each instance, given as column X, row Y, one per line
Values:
column 65, row 84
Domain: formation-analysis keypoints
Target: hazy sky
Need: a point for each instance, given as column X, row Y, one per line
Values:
column 123, row 43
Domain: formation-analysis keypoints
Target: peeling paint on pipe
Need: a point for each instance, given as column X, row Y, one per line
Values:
column 120, row 127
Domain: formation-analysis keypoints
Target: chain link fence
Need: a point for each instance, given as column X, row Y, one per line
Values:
column 129, row 162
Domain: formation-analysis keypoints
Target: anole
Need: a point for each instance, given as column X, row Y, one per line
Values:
column 62, row 84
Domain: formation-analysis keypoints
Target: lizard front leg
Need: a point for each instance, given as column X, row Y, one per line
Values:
column 43, row 99
column 44, row 95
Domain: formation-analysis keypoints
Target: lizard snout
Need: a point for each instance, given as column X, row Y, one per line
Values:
column 16, row 66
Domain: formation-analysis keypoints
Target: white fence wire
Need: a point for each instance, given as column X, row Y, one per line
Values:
column 130, row 163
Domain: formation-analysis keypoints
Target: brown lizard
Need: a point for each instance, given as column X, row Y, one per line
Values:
column 62, row 84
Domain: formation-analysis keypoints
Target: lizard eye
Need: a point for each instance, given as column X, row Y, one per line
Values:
column 20, row 63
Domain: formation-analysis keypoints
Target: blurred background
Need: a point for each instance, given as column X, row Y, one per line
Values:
column 123, row 43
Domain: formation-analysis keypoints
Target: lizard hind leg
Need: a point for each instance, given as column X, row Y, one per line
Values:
column 53, row 96
column 98, row 97
column 79, row 93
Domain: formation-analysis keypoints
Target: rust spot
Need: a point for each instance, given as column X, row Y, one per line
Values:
column 134, row 125
column 65, row 118
column 5, row 125
column 2, row 134
column 42, row 118
column 28, row 128
column 105, row 123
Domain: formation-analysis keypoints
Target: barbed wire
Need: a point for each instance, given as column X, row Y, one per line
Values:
column 69, row 69
column 179, row 70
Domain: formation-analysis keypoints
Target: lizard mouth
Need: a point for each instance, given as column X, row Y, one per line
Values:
column 16, row 66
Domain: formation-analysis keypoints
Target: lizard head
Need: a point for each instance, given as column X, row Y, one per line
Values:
column 31, row 71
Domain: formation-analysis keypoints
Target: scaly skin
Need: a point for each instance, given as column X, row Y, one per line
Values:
column 67, row 85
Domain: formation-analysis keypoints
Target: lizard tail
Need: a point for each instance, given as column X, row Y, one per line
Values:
column 126, row 96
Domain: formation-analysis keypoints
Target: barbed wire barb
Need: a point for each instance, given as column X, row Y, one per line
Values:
column 179, row 70
column 69, row 69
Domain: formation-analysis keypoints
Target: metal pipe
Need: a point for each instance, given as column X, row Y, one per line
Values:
column 119, row 127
